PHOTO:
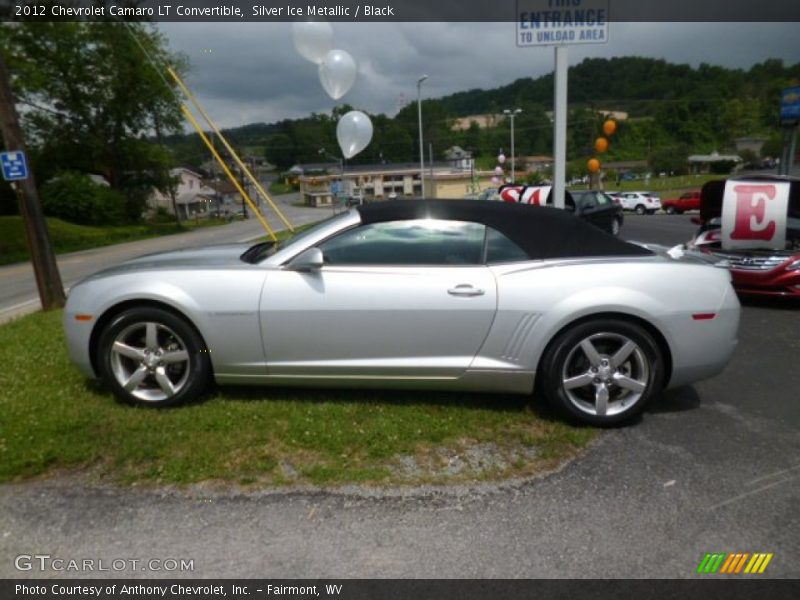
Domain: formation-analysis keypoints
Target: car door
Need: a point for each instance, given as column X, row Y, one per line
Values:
column 597, row 208
column 628, row 201
column 400, row 299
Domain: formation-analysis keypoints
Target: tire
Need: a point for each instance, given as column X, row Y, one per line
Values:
column 671, row 210
column 615, row 226
column 151, row 357
column 640, row 209
column 575, row 384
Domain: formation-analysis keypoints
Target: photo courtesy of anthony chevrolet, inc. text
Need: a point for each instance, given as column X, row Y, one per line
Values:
column 307, row 299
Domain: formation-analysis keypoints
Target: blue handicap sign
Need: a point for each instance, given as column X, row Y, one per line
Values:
column 14, row 165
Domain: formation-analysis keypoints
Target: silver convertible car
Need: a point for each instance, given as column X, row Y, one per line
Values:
column 450, row 295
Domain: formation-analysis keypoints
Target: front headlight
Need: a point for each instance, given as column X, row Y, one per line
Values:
column 794, row 265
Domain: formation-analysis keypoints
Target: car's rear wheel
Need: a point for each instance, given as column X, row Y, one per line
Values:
column 602, row 372
column 152, row 357
column 671, row 210
column 640, row 209
column 615, row 226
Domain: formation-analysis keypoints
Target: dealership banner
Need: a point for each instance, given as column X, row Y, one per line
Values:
column 754, row 214
column 394, row 589
column 537, row 195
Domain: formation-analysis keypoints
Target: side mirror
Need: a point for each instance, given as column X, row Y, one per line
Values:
column 309, row 259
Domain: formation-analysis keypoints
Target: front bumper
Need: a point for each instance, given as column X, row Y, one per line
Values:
column 777, row 282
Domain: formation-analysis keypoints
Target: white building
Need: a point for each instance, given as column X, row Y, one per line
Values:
column 194, row 199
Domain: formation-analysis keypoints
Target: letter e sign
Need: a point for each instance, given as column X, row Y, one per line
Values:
column 754, row 214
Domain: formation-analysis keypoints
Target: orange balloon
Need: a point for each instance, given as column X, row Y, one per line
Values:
column 601, row 144
column 593, row 165
column 609, row 127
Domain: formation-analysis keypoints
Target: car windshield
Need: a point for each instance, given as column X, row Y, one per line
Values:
column 262, row 250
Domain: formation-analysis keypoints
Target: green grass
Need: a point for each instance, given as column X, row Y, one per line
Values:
column 69, row 237
column 53, row 419
column 279, row 187
column 667, row 187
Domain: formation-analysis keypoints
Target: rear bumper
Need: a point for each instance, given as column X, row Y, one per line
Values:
column 703, row 348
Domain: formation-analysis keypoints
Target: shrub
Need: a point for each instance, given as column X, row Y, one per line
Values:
column 76, row 198
column 722, row 167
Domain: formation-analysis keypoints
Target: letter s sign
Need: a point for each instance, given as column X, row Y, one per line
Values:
column 754, row 214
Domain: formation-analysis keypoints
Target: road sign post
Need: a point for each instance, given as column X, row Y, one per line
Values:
column 14, row 165
column 561, row 23
column 43, row 259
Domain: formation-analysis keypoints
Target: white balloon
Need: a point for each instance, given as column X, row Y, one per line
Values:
column 501, row 158
column 354, row 132
column 337, row 73
column 313, row 39
column 498, row 170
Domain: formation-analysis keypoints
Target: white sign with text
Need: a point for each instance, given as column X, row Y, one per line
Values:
column 556, row 22
column 754, row 214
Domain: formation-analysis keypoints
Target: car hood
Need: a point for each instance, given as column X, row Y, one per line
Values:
column 208, row 257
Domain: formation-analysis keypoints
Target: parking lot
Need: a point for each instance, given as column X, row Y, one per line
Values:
column 713, row 467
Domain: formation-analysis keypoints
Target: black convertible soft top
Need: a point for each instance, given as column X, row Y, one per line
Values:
column 543, row 232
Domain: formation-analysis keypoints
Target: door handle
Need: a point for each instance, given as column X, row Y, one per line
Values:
column 465, row 289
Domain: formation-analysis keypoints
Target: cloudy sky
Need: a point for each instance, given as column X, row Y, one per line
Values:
column 246, row 73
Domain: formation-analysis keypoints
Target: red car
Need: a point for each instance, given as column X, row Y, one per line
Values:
column 684, row 202
column 769, row 272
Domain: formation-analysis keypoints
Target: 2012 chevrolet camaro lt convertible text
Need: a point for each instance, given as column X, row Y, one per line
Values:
column 450, row 295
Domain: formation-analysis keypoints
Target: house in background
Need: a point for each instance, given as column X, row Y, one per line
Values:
column 459, row 158
column 193, row 197
column 701, row 163
column 754, row 144
column 534, row 164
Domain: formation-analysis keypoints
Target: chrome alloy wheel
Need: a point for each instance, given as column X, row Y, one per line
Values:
column 150, row 361
column 605, row 374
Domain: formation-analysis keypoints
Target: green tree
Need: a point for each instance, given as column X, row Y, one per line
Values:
column 76, row 198
column 95, row 94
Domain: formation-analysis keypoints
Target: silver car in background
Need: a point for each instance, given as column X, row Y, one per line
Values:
column 448, row 295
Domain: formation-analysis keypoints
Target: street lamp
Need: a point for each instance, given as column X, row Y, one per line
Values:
column 511, row 114
column 421, row 150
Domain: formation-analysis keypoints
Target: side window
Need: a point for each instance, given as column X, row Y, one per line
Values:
column 500, row 249
column 602, row 199
column 416, row 242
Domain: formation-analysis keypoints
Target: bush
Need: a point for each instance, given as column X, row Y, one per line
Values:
column 75, row 198
column 722, row 167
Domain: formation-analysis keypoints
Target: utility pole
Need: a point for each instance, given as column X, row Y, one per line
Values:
column 48, row 279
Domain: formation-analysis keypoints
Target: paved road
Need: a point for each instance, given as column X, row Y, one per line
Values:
column 18, row 293
column 658, row 229
column 709, row 468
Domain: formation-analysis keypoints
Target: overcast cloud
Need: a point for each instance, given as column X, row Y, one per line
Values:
column 246, row 73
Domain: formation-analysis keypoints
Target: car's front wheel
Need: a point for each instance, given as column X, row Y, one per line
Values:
column 602, row 372
column 615, row 226
column 640, row 209
column 671, row 210
column 152, row 357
